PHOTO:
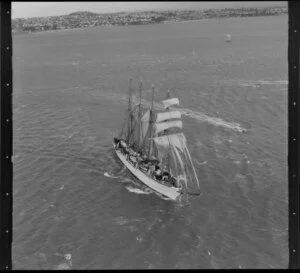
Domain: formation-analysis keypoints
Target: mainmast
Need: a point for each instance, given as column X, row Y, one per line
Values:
column 139, row 116
column 129, row 112
column 165, row 133
column 150, row 123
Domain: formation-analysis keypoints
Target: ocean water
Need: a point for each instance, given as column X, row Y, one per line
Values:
column 76, row 207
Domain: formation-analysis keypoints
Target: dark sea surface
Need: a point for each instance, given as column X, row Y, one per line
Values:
column 76, row 207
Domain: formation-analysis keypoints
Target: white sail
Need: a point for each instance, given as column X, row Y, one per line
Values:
column 177, row 140
column 170, row 102
column 159, row 127
column 162, row 141
column 168, row 115
column 165, row 144
column 175, row 162
column 181, row 163
column 191, row 162
column 179, row 158
column 173, row 144
column 144, row 126
column 162, row 151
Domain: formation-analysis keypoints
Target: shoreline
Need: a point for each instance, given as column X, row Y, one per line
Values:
column 225, row 18
column 163, row 22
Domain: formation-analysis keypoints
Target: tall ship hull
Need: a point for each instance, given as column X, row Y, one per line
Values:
column 153, row 148
column 165, row 190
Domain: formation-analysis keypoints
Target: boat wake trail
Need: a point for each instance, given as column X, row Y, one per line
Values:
column 262, row 83
column 202, row 163
column 253, row 83
column 137, row 191
column 164, row 197
column 65, row 265
column 213, row 120
column 147, row 192
column 109, row 175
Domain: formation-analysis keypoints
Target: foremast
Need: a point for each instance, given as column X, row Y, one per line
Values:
column 151, row 125
column 139, row 117
column 168, row 96
column 129, row 113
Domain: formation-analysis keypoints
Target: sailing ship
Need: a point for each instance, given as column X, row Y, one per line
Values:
column 154, row 149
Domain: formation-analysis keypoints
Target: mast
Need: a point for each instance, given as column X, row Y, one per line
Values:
column 150, row 123
column 165, row 133
column 139, row 116
column 129, row 111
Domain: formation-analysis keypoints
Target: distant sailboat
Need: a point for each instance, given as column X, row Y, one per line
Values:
column 154, row 150
column 228, row 38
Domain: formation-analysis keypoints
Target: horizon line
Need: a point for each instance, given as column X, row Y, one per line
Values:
column 152, row 10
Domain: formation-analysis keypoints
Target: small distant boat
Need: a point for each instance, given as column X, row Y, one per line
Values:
column 228, row 38
column 154, row 150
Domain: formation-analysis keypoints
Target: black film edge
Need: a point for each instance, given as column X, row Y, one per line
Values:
column 6, row 137
column 294, row 132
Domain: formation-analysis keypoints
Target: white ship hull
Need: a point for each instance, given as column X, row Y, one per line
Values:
column 168, row 191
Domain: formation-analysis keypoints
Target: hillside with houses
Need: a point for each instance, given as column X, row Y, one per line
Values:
column 88, row 19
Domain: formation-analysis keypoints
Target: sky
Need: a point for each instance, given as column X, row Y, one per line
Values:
column 41, row 9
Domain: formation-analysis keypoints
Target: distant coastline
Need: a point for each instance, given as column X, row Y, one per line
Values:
column 86, row 19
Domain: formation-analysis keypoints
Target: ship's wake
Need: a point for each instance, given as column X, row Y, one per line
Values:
column 107, row 174
column 138, row 191
column 216, row 121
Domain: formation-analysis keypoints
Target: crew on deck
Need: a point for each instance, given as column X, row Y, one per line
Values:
column 150, row 166
column 166, row 176
column 158, row 173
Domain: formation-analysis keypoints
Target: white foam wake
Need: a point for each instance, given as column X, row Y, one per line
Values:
column 165, row 198
column 202, row 163
column 213, row 120
column 65, row 265
column 109, row 175
column 137, row 191
column 262, row 82
column 279, row 82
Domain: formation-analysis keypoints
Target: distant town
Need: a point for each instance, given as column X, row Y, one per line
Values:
column 88, row 19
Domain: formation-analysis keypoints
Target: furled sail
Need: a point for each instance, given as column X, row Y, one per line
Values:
column 159, row 127
column 170, row 102
column 168, row 115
